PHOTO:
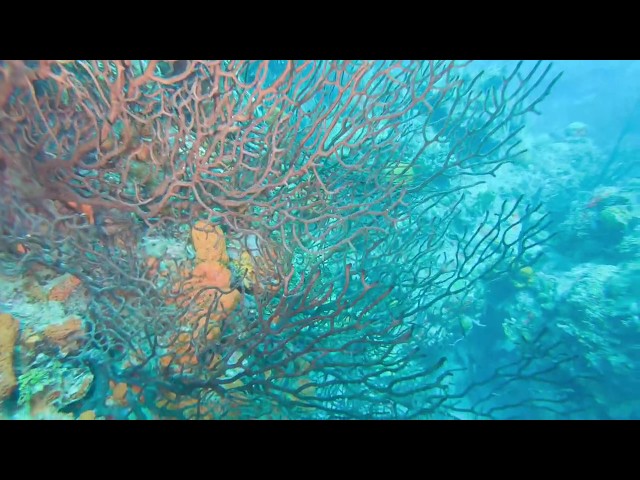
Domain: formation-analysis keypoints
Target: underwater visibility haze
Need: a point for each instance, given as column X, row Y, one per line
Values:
column 319, row 239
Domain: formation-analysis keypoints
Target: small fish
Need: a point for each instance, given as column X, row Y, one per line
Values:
column 594, row 202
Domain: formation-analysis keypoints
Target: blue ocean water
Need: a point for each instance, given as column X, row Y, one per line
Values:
column 320, row 240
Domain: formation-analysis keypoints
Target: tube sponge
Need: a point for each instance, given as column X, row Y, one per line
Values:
column 209, row 243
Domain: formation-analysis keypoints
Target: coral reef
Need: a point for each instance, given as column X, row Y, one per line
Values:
column 226, row 240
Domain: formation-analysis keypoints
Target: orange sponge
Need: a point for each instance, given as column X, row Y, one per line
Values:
column 9, row 328
column 68, row 335
column 64, row 288
column 209, row 243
